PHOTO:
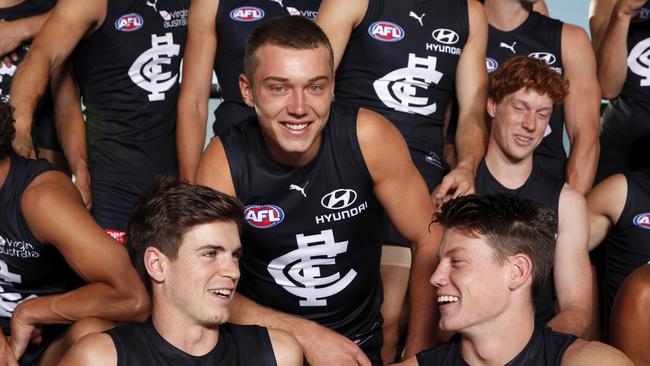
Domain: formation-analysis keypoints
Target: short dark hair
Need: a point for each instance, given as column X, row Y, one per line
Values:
column 510, row 225
column 529, row 73
column 288, row 31
column 7, row 129
column 163, row 215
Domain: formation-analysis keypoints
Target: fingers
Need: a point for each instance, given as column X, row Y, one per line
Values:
column 362, row 359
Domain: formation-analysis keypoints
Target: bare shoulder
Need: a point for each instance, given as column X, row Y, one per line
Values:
column 214, row 171
column 609, row 196
column 286, row 348
column 373, row 128
column 594, row 354
column 95, row 349
column 47, row 189
column 575, row 45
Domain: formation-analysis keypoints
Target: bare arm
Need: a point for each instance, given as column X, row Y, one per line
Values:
column 583, row 353
column 286, row 348
column 338, row 18
column 200, row 48
column 214, row 172
column 599, row 14
column 605, row 203
column 571, row 270
column 55, row 214
column 95, row 349
column 410, row 210
column 70, row 128
column 471, row 91
column 12, row 33
column 581, row 108
column 541, row 7
column 74, row 18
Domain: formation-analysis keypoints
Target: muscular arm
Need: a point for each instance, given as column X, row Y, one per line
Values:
column 581, row 108
column 605, row 203
column 410, row 210
column 74, row 19
column 630, row 323
column 70, row 127
column 200, row 48
column 285, row 347
column 471, row 91
column 599, row 15
column 583, row 353
column 571, row 271
column 338, row 18
column 95, row 349
column 55, row 214
column 12, row 33
column 214, row 172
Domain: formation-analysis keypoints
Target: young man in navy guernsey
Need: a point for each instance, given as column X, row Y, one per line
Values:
column 522, row 96
column 184, row 242
column 47, row 239
column 314, row 177
column 495, row 255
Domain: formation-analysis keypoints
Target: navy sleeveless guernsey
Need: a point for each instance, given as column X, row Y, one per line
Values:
column 128, row 73
column 141, row 344
column 540, row 37
column 545, row 348
column 539, row 187
column 627, row 246
column 625, row 128
column 401, row 62
column 236, row 20
column 312, row 236
column 28, row 267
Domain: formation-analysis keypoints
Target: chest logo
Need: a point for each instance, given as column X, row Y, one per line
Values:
column 278, row 1
column 511, row 48
column 398, row 89
column 247, row 14
column 491, row 64
column 445, row 36
column 386, row 31
column 299, row 272
column 311, row 14
column 419, row 18
column 6, row 72
column 263, row 216
column 640, row 15
column 642, row 220
column 548, row 58
column 639, row 61
column 129, row 22
column 295, row 187
column 339, row 199
column 147, row 70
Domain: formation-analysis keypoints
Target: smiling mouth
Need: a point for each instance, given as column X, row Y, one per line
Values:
column 447, row 299
column 523, row 139
column 297, row 127
column 222, row 292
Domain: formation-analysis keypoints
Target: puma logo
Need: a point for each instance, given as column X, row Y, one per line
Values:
column 419, row 18
column 511, row 48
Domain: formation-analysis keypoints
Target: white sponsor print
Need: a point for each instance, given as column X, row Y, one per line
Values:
column 445, row 36
column 511, row 48
column 419, row 18
column 295, row 187
column 548, row 58
column 639, row 61
column 339, row 199
column 299, row 271
column 147, row 70
column 397, row 89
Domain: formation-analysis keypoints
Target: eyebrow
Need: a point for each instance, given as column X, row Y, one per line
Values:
column 453, row 251
column 218, row 247
column 284, row 80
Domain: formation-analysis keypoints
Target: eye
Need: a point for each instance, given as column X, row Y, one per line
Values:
column 315, row 89
column 210, row 253
column 456, row 262
column 278, row 89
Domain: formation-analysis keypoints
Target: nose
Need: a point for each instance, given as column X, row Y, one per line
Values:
column 297, row 105
column 529, row 122
column 230, row 268
column 440, row 278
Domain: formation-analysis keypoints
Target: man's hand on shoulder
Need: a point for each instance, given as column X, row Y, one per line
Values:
column 23, row 145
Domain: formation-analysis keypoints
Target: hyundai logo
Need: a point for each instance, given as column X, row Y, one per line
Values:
column 445, row 36
column 341, row 198
column 548, row 58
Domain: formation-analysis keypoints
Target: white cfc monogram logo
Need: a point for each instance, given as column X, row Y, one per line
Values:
column 302, row 265
column 639, row 61
column 398, row 88
column 6, row 71
column 147, row 72
column 8, row 300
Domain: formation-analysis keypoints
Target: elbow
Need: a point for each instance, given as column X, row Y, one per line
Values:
column 133, row 303
column 608, row 93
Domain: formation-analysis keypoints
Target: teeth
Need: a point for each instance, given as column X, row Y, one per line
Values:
column 296, row 127
column 222, row 292
column 523, row 139
column 448, row 299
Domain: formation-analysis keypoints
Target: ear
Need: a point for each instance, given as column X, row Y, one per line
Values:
column 246, row 90
column 521, row 270
column 156, row 263
column 491, row 107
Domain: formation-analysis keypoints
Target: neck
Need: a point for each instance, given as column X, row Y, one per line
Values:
column 500, row 341
column 512, row 174
column 295, row 159
column 506, row 15
column 190, row 337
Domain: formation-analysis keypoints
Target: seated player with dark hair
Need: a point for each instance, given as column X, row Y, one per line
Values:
column 184, row 242
column 46, row 236
column 495, row 255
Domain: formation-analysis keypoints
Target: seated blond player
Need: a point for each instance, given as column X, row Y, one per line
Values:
column 184, row 242
column 496, row 253
column 47, row 240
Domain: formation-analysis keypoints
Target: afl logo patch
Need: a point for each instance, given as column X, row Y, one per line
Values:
column 129, row 23
column 445, row 36
column 491, row 64
column 386, row 31
column 263, row 216
column 548, row 58
column 641, row 15
column 247, row 14
column 642, row 220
